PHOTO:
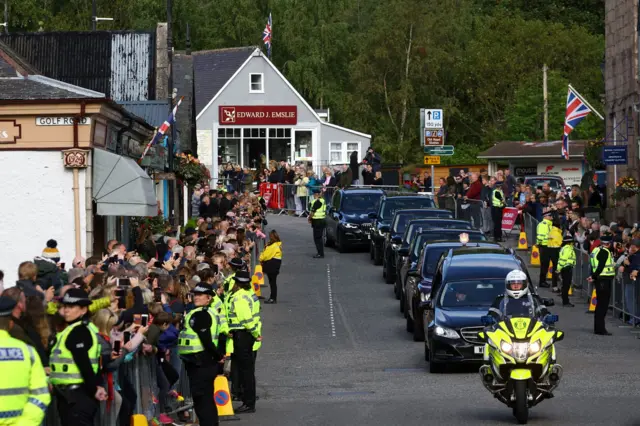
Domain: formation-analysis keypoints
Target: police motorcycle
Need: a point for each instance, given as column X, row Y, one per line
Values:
column 520, row 368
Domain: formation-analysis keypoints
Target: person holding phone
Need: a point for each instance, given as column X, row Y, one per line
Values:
column 77, row 384
column 197, row 346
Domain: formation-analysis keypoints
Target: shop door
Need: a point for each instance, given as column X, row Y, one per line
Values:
column 254, row 148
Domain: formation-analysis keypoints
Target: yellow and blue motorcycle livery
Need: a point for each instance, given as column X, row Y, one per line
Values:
column 520, row 366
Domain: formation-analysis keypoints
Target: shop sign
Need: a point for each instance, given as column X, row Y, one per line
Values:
column 524, row 171
column 235, row 115
column 10, row 131
column 61, row 121
column 569, row 171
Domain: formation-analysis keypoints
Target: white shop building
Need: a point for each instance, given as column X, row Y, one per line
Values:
column 247, row 113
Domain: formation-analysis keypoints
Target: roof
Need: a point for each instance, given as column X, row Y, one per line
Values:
column 212, row 69
column 414, row 211
column 12, row 64
column 39, row 87
column 481, row 263
column 402, row 195
column 454, row 244
column 153, row 112
column 362, row 190
column 524, row 149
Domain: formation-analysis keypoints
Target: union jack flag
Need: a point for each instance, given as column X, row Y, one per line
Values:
column 162, row 129
column 577, row 110
column 266, row 36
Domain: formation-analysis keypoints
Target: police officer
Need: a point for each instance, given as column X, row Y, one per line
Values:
column 566, row 262
column 197, row 346
column 517, row 300
column 542, row 241
column 23, row 382
column 603, row 268
column 74, row 362
column 218, row 306
column 497, row 204
column 245, row 331
column 317, row 219
column 236, row 264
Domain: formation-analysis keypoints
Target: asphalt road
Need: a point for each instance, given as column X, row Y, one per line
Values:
column 336, row 353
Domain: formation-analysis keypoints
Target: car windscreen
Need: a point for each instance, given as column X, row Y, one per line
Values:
column 417, row 228
column 403, row 219
column 391, row 205
column 471, row 293
column 537, row 183
column 360, row 203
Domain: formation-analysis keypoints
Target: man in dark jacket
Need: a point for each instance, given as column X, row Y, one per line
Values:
column 374, row 159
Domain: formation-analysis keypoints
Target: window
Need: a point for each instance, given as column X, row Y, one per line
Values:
column 256, row 85
column 228, row 145
column 339, row 152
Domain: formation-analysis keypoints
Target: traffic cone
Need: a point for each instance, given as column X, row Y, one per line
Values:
column 550, row 271
column 259, row 275
column 571, row 290
column 222, row 397
column 522, row 241
column 535, row 256
column 593, row 301
column 139, row 420
column 255, row 282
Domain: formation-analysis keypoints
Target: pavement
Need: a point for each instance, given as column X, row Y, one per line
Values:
column 335, row 352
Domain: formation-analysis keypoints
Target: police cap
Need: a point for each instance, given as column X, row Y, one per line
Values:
column 237, row 263
column 203, row 288
column 76, row 297
column 606, row 239
column 242, row 277
column 6, row 306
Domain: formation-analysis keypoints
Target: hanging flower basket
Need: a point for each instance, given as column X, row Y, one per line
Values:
column 593, row 154
column 190, row 171
column 626, row 187
column 157, row 224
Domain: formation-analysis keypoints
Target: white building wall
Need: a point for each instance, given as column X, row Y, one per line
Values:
column 37, row 205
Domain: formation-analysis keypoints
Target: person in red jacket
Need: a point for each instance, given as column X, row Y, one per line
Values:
column 473, row 196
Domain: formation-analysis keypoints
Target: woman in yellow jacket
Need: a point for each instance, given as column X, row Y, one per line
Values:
column 271, row 259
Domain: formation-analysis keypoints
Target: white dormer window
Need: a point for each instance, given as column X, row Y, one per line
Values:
column 256, row 83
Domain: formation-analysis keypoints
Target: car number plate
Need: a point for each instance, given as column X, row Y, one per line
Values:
column 478, row 350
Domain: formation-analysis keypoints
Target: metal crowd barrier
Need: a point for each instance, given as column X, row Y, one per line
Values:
column 141, row 375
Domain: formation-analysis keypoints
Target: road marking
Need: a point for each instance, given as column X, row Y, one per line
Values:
column 331, row 315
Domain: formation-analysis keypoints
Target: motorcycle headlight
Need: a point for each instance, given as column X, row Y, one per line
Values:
column 350, row 226
column 395, row 246
column 446, row 333
column 425, row 297
column 506, row 347
column 520, row 351
column 535, row 347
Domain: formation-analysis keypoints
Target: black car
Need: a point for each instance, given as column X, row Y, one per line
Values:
column 394, row 237
column 348, row 222
column 414, row 227
column 389, row 204
column 417, row 286
column 465, row 284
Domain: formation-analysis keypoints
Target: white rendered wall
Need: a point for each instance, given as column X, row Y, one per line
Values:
column 36, row 204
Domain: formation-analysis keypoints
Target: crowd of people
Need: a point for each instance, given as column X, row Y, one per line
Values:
column 184, row 303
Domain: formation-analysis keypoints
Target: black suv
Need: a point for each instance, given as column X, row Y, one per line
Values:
column 394, row 237
column 389, row 204
column 348, row 217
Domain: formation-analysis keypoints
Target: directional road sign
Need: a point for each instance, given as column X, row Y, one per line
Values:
column 431, row 160
column 433, row 137
column 439, row 150
column 433, row 119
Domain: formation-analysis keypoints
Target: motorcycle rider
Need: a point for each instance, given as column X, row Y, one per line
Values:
column 517, row 300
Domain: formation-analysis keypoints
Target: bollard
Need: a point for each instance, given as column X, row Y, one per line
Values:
column 535, row 256
column 255, row 280
column 593, row 301
column 550, row 270
column 522, row 241
column 222, row 397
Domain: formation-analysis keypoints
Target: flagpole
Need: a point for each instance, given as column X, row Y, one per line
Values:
column 585, row 101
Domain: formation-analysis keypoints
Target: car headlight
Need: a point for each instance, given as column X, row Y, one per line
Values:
column 425, row 297
column 395, row 246
column 506, row 347
column 446, row 332
column 350, row 225
column 535, row 347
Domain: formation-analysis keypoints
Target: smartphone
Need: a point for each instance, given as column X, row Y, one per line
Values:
column 183, row 279
column 123, row 282
column 176, row 256
column 137, row 319
column 62, row 265
column 117, row 345
column 144, row 321
column 189, row 297
column 157, row 295
column 127, row 337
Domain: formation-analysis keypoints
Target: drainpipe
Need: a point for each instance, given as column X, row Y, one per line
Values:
column 76, row 184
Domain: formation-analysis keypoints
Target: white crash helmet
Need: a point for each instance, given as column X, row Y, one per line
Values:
column 516, row 277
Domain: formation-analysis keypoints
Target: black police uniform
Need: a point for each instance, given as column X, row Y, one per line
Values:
column 318, row 226
column 529, row 306
column 603, row 288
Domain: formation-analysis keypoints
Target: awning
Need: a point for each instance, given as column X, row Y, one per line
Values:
column 121, row 187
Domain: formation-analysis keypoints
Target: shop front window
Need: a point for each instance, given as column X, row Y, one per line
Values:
column 255, row 148
column 228, row 146
column 280, row 144
column 303, row 143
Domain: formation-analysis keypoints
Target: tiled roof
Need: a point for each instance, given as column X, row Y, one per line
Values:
column 516, row 149
column 213, row 68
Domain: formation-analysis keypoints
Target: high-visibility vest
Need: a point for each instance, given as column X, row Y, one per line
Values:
column 542, row 232
column 188, row 340
column 220, row 310
column 229, row 282
column 609, row 268
column 241, row 313
column 554, row 238
column 24, row 393
column 256, row 317
column 495, row 202
column 64, row 371
column 321, row 213
column 567, row 257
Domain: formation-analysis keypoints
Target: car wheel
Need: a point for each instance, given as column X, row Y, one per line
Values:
column 384, row 267
column 418, row 326
column 340, row 243
column 371, row 251
column 397, row 289
column 436, row 367
column 327, row 240
column 389, row 278
column 409, row 324
column 377, row 256
column 426, row 351
column 402, row 307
